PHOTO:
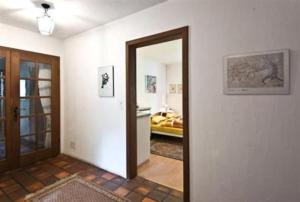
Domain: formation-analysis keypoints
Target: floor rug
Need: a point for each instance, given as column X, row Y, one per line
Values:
column 73, row 189
column 170, row 147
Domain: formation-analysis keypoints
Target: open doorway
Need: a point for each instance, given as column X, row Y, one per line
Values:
column 157, row 109
column 159, row 113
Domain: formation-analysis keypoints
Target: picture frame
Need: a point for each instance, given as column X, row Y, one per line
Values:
column 258, row 73
column 106, row 81
column 150, row 84
column 172, row 89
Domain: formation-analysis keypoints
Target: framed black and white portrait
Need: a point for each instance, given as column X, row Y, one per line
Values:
column 106, row 81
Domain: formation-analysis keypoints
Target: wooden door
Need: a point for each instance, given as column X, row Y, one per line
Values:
column 31, row 120
column 36, row 105
column 6, row 137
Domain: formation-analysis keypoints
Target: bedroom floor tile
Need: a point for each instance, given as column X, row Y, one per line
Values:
column 15, row 185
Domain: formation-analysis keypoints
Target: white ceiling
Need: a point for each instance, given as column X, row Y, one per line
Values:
column 166, row 53
column 70, row 16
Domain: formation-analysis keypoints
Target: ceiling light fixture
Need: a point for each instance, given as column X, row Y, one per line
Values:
column 45, row 22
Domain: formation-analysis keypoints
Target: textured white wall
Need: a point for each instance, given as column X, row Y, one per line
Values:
column 146, row 66
column 14, row 37
column 242, row 148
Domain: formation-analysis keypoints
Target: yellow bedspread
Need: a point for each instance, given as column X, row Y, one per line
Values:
column 160, row 125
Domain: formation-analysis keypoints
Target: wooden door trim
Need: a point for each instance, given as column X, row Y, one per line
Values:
column 131, row 128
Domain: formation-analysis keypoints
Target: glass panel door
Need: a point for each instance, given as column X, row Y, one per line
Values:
column 35, row 106
column 5, row 135
column 29, row 108
column 2, row 109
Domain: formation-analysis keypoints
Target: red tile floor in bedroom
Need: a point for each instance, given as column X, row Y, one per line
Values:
column 16, row 184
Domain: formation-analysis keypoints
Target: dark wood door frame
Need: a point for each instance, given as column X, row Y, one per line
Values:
column 131, row 128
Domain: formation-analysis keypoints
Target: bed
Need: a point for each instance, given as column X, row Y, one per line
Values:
column 170, row 124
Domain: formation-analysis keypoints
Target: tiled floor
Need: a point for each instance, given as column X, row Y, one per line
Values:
column 16, row 184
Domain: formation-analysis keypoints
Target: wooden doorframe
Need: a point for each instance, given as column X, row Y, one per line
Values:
column 131, row 126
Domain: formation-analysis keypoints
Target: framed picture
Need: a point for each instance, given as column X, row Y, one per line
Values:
column 106, row 81
column 179, row 88
column 172, row 88
column 257, row 73
column 150, row 82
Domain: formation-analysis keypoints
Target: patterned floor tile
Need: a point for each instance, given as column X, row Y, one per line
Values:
column 16, row 184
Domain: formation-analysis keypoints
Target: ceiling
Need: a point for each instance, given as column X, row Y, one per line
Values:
column 71, row 16
column 166, row 53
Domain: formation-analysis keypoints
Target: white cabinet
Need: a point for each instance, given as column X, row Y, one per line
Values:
column 143, row 137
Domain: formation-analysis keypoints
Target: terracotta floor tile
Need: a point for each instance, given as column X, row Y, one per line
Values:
column 52, row 169
column 121, row 191
column 108, row 176
column 157, row 195
column 61, row 163
column 72, row 169
column 143, row 190
column 130, row 185
column 150, row 184
column 90, row 177
column 11, row 188
column 110, row 186
column 163, row 188
column 91, row 169
column 32, row 169
column 148, row 200
column 139, row 179
column 49, row 180
column 34, row 187
column 44, row 173
column 7, row 183
column 4, row 178
column 18, row 195
column 62, row 175
column 100, row 180
column 171, row 198
column 4, row 199
column 118, row 180
column 135, row 197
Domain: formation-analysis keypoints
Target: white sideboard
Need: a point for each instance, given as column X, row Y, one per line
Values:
column 143, row 137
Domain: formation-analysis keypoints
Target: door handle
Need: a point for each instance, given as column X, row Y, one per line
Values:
column 16, row 113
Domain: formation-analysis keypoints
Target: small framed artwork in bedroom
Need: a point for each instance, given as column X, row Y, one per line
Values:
column 106, row 81
column 150, row 83
column 259, row 73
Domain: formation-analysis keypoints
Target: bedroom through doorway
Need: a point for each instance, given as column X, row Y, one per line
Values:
column 157, row 109
column 159, row 113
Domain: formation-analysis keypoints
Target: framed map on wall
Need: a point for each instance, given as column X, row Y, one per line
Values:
column 257, row 73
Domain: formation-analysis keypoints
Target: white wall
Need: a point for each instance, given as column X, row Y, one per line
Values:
column 14, row 37
column 174, row 76
column 146, row 66
column 242, row 148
